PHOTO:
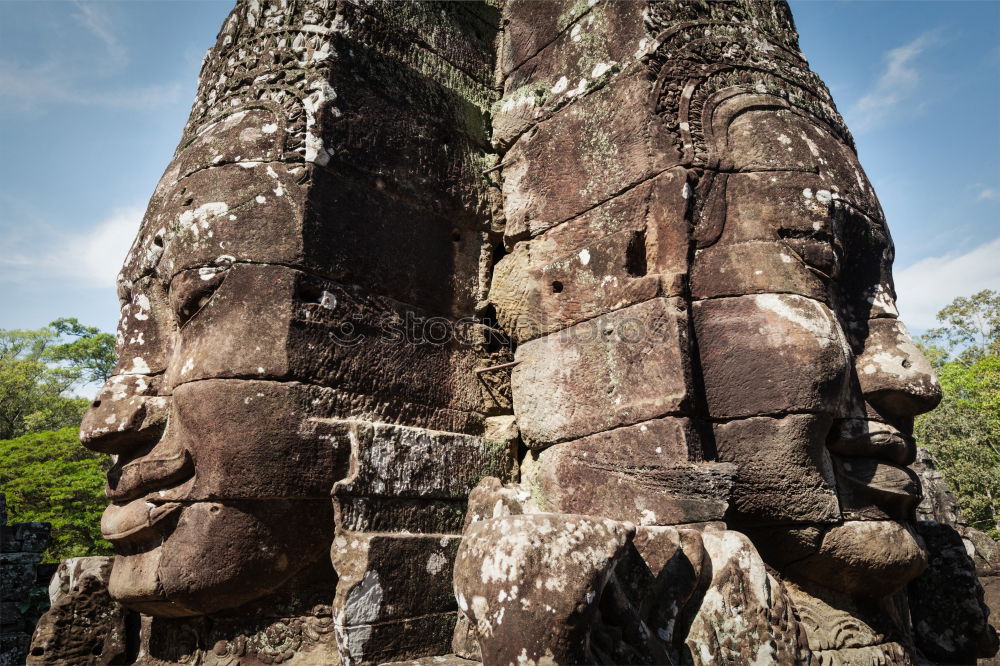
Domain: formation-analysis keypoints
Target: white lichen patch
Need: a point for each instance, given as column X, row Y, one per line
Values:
column 803, row 312
column 202, row 215
column 364, row 602
column 600, row 69
column 435, row 563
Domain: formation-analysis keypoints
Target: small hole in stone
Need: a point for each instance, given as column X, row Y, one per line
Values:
column 557, row 287
column 188, row 201
column 456, row 235
column 158, row 241
column 214, row 509
column 906, row 363
column 37, row 652
column 95, row 404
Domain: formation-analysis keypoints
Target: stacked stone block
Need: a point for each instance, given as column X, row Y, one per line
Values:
column 22, row 593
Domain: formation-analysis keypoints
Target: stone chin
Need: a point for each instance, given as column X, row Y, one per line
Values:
column 219, row 556
column 864, row 558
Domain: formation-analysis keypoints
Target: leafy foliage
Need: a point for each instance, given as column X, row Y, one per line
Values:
column 963, row 433
column 972, row 326
column 91, row 354
column 49, row 477
column 39, row 368
column 45, row 473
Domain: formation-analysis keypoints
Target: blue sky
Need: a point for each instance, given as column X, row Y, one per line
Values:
column 93, row 96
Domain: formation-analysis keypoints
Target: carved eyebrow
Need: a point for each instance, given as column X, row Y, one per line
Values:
column 756, row 168
column 876, row 228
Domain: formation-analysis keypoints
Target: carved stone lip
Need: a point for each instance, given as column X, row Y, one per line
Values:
column 136, row 521
column 141, row 476
column 862, row 438
column 871, row 488
column 880, row 476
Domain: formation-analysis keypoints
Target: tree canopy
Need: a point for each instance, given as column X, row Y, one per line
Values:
column 49, row 477
column 963, row 433
column 45, row 473
column 39, row 369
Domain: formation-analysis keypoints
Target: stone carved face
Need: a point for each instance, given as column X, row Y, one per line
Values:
column 222, row 477
column 811, row 380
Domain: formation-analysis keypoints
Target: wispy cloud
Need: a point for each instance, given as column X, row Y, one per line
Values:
column 95, row 257
column 89, row 72
column 932, row 283
column 95, row 19
column 29, row 89
column 897, row 84
column 988, row 194
column 91, row 258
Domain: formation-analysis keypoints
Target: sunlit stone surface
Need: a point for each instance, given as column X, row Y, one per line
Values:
column 612, row 267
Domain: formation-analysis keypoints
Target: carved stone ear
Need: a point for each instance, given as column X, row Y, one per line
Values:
column 723, row 107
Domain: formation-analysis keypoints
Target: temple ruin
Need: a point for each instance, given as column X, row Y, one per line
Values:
column 515, row 332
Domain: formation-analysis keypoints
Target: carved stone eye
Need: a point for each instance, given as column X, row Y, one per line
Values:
column 124, row 292
column 191, row 291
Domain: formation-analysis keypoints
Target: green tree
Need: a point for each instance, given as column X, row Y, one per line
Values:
column 91, row 354
column 971, row 326
column 39, row 368
column 49, row 477
column 963, row 433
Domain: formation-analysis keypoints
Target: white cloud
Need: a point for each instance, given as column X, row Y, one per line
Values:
column 99, row 23
column 89, row 259
column 932, row 283
column 87, row 70
column 95, row 257
column 895, row 85
column 988, row 194
column 28, row 88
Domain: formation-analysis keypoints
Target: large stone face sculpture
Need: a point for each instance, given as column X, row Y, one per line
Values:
column 321, row 221
column 698, row 449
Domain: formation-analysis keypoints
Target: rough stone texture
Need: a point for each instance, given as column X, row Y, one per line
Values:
column 294, row 630
column 938, row 504
column 530, row 584
column 560, row 274
column 946, row 601
column 583, row 380
column 642, row 472
column 745, row 616
column 964, row 570
column 394, row 595
column 747, row 372
column 397, row 480
column 22, row 588
column 549, row 181
column 784, row 469
column 84, row 625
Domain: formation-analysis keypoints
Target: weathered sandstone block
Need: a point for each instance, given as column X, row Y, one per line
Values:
column 394, row 595
column 530, row 583
column 628, row 366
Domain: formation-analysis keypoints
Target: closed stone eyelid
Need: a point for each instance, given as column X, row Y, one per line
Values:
column 182, row 317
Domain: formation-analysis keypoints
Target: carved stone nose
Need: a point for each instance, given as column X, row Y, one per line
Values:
column 895, row 377
column 126, row 414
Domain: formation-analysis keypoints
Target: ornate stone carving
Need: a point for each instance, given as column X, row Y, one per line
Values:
column 601, row 285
